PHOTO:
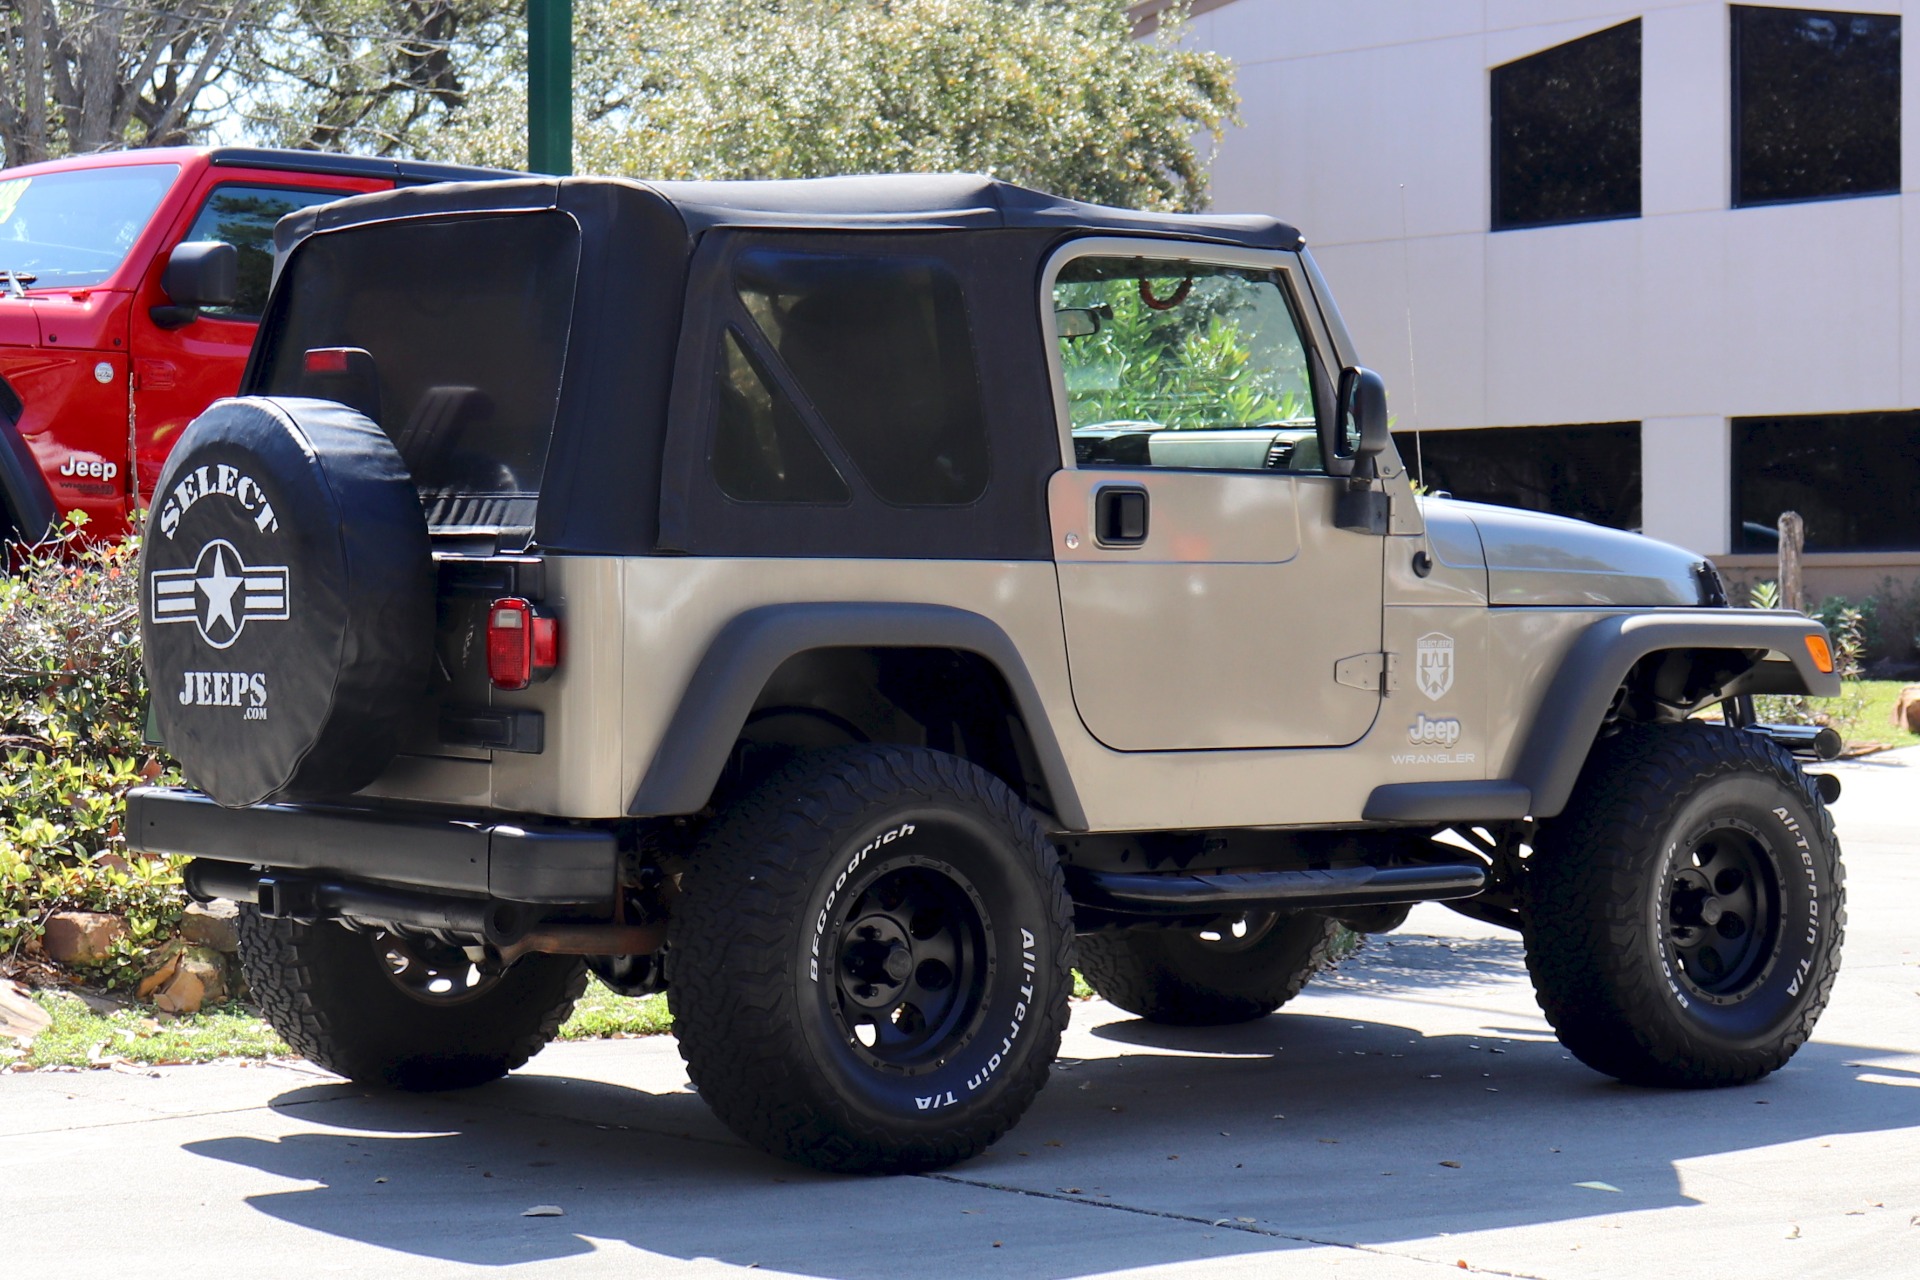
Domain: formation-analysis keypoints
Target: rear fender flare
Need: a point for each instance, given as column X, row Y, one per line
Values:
column 750, row 648
column 1570, row 715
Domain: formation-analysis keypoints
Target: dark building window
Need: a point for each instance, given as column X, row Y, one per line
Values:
column 1566, row 132
column 1816, row 104
column 1589, row 472
column 1852, row 477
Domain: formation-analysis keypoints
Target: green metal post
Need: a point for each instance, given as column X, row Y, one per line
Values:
column 550, row 86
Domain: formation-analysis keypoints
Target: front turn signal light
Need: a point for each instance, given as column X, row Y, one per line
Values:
column 1821, row 653
column 523, row 644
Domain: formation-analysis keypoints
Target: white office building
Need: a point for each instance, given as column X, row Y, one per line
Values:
column 1653, row 264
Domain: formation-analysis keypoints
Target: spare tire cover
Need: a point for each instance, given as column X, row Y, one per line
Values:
column 287, row 601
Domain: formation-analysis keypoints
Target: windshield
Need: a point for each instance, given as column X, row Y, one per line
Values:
column 72, row 229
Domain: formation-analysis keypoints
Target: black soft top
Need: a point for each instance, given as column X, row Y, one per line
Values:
column 878, row 202
column 627, row 469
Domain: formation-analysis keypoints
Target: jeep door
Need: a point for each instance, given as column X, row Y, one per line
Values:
column 182, row 362
column 1208, row 597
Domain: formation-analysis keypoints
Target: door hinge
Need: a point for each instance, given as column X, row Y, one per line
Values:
column 1377, row 671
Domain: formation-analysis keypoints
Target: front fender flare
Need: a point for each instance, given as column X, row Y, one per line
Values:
column 749, row 649
column 1569, row 717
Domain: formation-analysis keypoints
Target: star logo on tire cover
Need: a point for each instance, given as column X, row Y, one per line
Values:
column 220, row 594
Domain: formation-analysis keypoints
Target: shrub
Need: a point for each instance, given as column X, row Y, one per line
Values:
column 72, row 708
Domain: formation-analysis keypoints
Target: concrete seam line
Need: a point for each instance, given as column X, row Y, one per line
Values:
column 1248, row 1228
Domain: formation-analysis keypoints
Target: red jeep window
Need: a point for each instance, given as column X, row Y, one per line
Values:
column 243, row 217
column 67, row 230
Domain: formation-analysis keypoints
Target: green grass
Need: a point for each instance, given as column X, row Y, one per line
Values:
column 79, row 1037
column 602, row 1015
column 1873, row 722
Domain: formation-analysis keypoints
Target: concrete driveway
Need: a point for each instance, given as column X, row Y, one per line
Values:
column 1410, row 1114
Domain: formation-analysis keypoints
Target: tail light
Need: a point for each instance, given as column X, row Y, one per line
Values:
column 523, row 644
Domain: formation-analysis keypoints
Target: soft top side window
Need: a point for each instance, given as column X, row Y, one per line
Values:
column 1173, row 363
column 879, row 346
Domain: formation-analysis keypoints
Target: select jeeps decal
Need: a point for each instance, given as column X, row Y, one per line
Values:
column 220, row 594
column 204, row 482
column 244, row 689
column 1433, row 664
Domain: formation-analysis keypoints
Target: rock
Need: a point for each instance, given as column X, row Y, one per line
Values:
column 216, row 925
column 199, row 977
column 158, row 978
column 20, row 1018
column 1906, row 712
column 81, row 937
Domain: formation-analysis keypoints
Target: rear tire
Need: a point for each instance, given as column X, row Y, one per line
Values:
column 1177, row 977
column 1683, row 918
column 336, row 998
column 868, row 963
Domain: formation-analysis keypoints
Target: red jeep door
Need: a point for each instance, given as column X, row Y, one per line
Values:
column 178, row 372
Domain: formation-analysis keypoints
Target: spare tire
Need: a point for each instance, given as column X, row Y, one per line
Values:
column 287, row 601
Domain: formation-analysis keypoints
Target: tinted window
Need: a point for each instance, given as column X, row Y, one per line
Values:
column 243, row 217
column 1588, row 472
column 762, row 451
column 1566, row 132
column 1852, row 477
column 881, row 347
column 1183, row 365
column 467, row 322
column 70, row 229
column 1816, row 108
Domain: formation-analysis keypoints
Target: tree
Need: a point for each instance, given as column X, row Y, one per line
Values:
column 1055, row 94
column 377, row 76
column 96, row 75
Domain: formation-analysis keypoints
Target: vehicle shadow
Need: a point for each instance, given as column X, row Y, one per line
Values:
column 1186, row 1144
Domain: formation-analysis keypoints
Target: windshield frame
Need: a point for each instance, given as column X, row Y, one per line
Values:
column 112, row 277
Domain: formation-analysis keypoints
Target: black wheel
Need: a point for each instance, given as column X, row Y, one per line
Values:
column 1235, row 972
column 868, row 963
column 382, row 1009
column 1683, row 918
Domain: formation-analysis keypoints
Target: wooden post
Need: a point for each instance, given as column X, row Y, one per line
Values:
column 1793, row 539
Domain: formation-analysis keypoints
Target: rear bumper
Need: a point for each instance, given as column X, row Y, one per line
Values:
column 468, row 856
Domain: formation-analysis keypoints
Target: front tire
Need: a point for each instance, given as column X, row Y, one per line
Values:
column 380, row 1009
column 1183, row 978
column 1683, row 918
column 869, row 961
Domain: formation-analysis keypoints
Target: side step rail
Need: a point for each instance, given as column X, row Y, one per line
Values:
column 1218, row 893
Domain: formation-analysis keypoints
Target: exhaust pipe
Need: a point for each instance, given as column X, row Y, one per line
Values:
column 508, row 928
column 1807, row 741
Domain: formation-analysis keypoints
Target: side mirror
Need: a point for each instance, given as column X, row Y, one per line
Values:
column 1358, row 433
column 199, row 273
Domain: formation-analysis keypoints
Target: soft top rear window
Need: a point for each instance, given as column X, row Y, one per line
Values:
column 464, row 322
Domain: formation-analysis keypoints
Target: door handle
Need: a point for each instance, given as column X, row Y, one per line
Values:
column 1120, row 516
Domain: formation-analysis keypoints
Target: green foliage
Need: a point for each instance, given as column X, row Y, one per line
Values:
column 601, row 1014
column 377, row 77
column 72, row 706
column 79, row 1037
column 1191, row 366
column 1055, row 94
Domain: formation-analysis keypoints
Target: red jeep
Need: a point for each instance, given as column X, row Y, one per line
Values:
column 123, row 314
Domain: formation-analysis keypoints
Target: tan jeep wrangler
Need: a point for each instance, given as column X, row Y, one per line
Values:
column 839, row 604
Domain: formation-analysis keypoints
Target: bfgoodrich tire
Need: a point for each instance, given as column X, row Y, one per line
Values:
column 1184, row 978
column 869, row 961
column 382, row 1010
column 1683, row 918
